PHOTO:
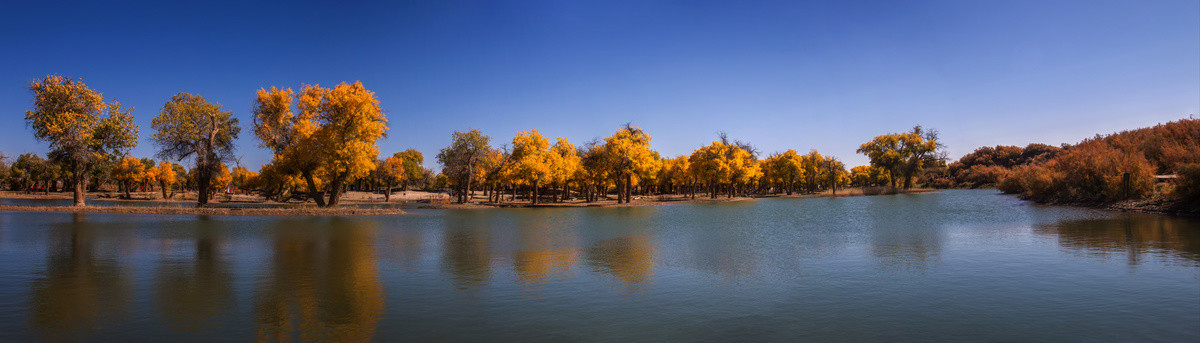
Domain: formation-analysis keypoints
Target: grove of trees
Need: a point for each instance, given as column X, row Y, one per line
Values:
column 324, row 141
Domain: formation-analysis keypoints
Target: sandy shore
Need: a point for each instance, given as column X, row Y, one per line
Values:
column 213, row 211
column 430, row 200
column 479, row 201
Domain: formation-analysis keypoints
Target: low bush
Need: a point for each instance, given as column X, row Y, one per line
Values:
column 1088, row 173
column 1187, row 185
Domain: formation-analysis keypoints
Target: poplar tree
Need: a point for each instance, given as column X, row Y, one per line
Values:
column 190, row 127
column 81, row 128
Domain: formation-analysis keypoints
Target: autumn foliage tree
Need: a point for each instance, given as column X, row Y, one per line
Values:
column 534, row 163
column 191, row 127
column 332, row 134
column 411, row 163
column 785, row 170
column 462, row 160
column 242, row 178
column 80, row 127
column 903, row 154
column 28, row 171
column 164, row 174
column 129, row 171
column 393, row 172
column 565, row 168
column 627, row 153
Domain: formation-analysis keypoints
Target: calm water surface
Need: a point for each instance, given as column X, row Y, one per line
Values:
column 956, row 265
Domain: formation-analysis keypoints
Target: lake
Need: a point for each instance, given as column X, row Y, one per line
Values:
column 957, row 265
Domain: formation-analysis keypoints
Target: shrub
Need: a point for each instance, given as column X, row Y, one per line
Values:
column 1096, row 172
column 940, row 183
column 979, row 174
column 1085, row 173
column 1187, row 185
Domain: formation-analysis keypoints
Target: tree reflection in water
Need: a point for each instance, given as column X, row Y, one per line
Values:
column 195, row 289
column 323, row 283
column 467, row 251
column 80, row 291
column 904, row 236
column 1136, row 236
column 545, row 250
column 629, row 259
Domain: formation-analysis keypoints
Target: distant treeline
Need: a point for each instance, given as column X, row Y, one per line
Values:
column 324, row 142
column 1101, row 169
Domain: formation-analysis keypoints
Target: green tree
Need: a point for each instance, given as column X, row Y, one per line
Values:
column 190, row 126
column 28, row 170
column 462, row 158
column 80, row 127
column 412, row 161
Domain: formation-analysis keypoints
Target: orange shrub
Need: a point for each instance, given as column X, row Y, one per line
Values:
column 1095, row 173
column 1034, row 182
column 1085, row 173
column 1187, row 186
column 980, row 174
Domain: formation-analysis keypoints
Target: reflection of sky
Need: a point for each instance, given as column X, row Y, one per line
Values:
column 822, row 265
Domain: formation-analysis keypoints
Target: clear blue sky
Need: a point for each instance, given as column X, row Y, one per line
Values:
column 787, row 74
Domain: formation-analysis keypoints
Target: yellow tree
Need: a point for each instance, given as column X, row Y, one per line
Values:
column 496, row 171
column 787, row 169
column 868, row 176
column 628, row 153
column 812, row 164
column 221, row 179
column 745, row 169
column 647, row 174
column 534, row 163
column 351, row 125
column 595, row 170
column 393, row 171
column 165, row 176
column 676, row 174
column 128, row 172
column 81, row 128
column 242, row 178
column 903, row 154
column 834, row 173
column 708, row 163
column 566, row 166
column 190, row 127
column 332, row 135
column 289, row 135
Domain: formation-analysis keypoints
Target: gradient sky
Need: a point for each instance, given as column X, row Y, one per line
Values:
column 787, row 74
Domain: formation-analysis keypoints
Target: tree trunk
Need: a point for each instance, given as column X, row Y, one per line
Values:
column 202, row 193
column 163, row 186
column 387, row 194
column 534, row 198
column 80, row 180
column 335, row 192
column 627, row 187
column 316, row 194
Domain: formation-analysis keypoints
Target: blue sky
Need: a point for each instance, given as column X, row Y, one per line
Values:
column 786, row 74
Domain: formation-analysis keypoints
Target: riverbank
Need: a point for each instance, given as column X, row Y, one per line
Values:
column 211, row 211
column 1155, row 205
column 1173, row 207
column 429, row 199
column 480, row 202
